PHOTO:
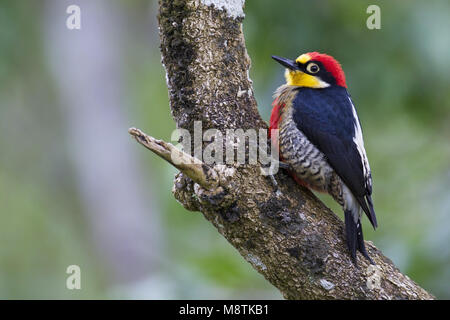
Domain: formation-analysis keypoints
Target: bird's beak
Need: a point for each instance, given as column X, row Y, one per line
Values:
column 288, row 63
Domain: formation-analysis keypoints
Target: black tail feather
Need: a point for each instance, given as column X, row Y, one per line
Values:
column 355, row 239
column 368, row 209
column 373, row 219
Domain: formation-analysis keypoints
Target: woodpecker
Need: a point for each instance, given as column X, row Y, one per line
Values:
column 320, row 139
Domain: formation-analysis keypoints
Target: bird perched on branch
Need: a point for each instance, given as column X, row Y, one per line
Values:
column 320, row 138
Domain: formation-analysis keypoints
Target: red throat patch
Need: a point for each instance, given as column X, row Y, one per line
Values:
column 331, row 65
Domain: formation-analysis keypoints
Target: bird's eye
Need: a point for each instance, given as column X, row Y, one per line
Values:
column 312, row 68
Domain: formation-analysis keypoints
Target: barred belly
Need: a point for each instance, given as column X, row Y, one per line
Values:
column 309, row 163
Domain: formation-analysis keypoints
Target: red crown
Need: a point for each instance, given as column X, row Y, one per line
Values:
column 331, row 65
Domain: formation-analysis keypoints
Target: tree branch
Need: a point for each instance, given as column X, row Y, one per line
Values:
column 192, row 167
column 287, row 234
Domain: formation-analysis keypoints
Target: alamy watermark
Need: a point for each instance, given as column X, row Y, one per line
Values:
column 74, row 280
column 73, row 21
column 374, row 20
column 235, row 146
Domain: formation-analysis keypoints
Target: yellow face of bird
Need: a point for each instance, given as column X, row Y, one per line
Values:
column 313, row 70
column 302, row 79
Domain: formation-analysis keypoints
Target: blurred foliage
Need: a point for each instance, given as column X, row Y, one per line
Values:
column 399, row 78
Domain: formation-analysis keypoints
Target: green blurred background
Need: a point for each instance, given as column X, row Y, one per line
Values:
column 75, row 189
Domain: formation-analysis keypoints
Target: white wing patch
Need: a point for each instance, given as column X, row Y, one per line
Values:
column 351, row 204
column 359, row 142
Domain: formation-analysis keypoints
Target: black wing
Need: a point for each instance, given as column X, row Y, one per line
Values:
column 326, row 118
